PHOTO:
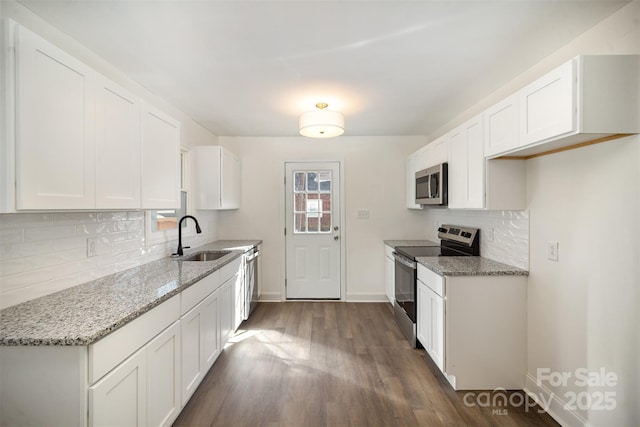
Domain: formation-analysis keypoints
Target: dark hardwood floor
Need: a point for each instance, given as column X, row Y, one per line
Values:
column 335, row 364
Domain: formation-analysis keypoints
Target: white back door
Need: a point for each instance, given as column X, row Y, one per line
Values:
column 312, row 204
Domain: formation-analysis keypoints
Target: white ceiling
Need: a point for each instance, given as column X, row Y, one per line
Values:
column 249, row 68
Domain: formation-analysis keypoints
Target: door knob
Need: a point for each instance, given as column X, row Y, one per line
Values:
column 336, row 237
column 335, row 228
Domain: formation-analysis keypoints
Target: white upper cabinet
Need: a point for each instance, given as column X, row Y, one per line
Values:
column 589, row 98
column 117, row 147
column 438, row 151
column 229, row 180
column 466, row 166
column 549, row 105
column 55, row 157
column 217, row 172
column 73, row 140
column 160, row 160
column 502, row 126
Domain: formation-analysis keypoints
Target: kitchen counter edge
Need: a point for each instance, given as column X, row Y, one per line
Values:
column 469, row 266
column 76, row 317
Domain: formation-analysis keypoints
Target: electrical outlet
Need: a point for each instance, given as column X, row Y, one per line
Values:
column 552, row 251
column 92, row 247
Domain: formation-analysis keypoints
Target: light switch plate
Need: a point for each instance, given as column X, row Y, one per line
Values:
column 363, row 214
column 92, row 247
column 552, row 251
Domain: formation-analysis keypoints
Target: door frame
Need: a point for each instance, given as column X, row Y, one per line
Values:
column 343, row 233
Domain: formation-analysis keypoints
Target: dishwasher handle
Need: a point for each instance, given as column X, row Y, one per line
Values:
column 253, row 255
column 405, row 261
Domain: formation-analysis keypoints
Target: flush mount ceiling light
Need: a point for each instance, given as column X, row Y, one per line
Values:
column 321, row 123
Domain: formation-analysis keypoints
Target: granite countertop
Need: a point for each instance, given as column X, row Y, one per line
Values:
column 83, row 314
column 396, row 243
column 469, row 266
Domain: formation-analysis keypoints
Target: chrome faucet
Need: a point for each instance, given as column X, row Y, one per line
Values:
column 198, row 230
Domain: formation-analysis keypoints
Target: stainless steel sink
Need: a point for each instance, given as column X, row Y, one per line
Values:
column 206, row 256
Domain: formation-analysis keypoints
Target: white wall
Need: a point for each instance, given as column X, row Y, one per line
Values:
column 44, row 253
column 583, row 309
column 374, row 180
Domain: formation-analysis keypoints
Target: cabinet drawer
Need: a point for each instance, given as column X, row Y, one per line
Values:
column 107, row 353
column 199, row 291
column 229, row 270
column 434, row 281
column 388, row 251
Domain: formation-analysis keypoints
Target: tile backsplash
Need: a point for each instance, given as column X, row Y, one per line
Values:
column 42, row 253
column 510, row 229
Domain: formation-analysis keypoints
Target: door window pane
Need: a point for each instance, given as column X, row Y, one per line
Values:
column 298, row 180
column 324, row 179
column 312, row 202
column 300, row 223
column 313, row 224
column 325, row 223
column 312, row 181
column 300, row 202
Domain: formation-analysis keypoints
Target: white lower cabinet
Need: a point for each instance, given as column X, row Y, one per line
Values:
column 430, row 323
column 119, row 399
column 143, row 390
column 142, row 374
column 474, row 328
column 200, row 343
column 163, row 378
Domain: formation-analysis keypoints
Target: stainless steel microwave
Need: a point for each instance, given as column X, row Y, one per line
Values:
column 431, row 185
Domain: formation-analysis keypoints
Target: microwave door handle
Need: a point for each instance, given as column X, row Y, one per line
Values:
column 429, row 186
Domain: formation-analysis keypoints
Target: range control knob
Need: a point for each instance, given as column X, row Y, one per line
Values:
column 442, row 230
column 466, row 234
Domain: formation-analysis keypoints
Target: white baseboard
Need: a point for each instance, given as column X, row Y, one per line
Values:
column 367, row 298
column 277, row 297
column 271, row 297
column 553, row 405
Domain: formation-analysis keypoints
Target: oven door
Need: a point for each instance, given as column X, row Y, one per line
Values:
column 405, row 285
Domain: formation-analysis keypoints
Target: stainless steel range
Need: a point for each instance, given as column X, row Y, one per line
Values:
column 454, row 241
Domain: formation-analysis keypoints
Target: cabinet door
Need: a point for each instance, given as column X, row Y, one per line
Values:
column 440, row 151
column 117, row 147
column 226, row 312
column 458, row 169
column 55, row 150
column 192, row 362
column 436, row 313
column 423, row 317
column 430, row 323
column 238, row 300
column 501, row 126
column 160, row 160
column 475, row 164
column 466, row 166
column 119, row 399
column 229, row 180
column 163, row 378
column 549, row 105
column 389, row 278
column 210, row 329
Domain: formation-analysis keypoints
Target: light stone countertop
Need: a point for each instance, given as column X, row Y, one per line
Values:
column 83, row 314
column 469, row 266
column 396, row 243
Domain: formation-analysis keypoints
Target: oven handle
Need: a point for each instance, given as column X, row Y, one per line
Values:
column 404, row 261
